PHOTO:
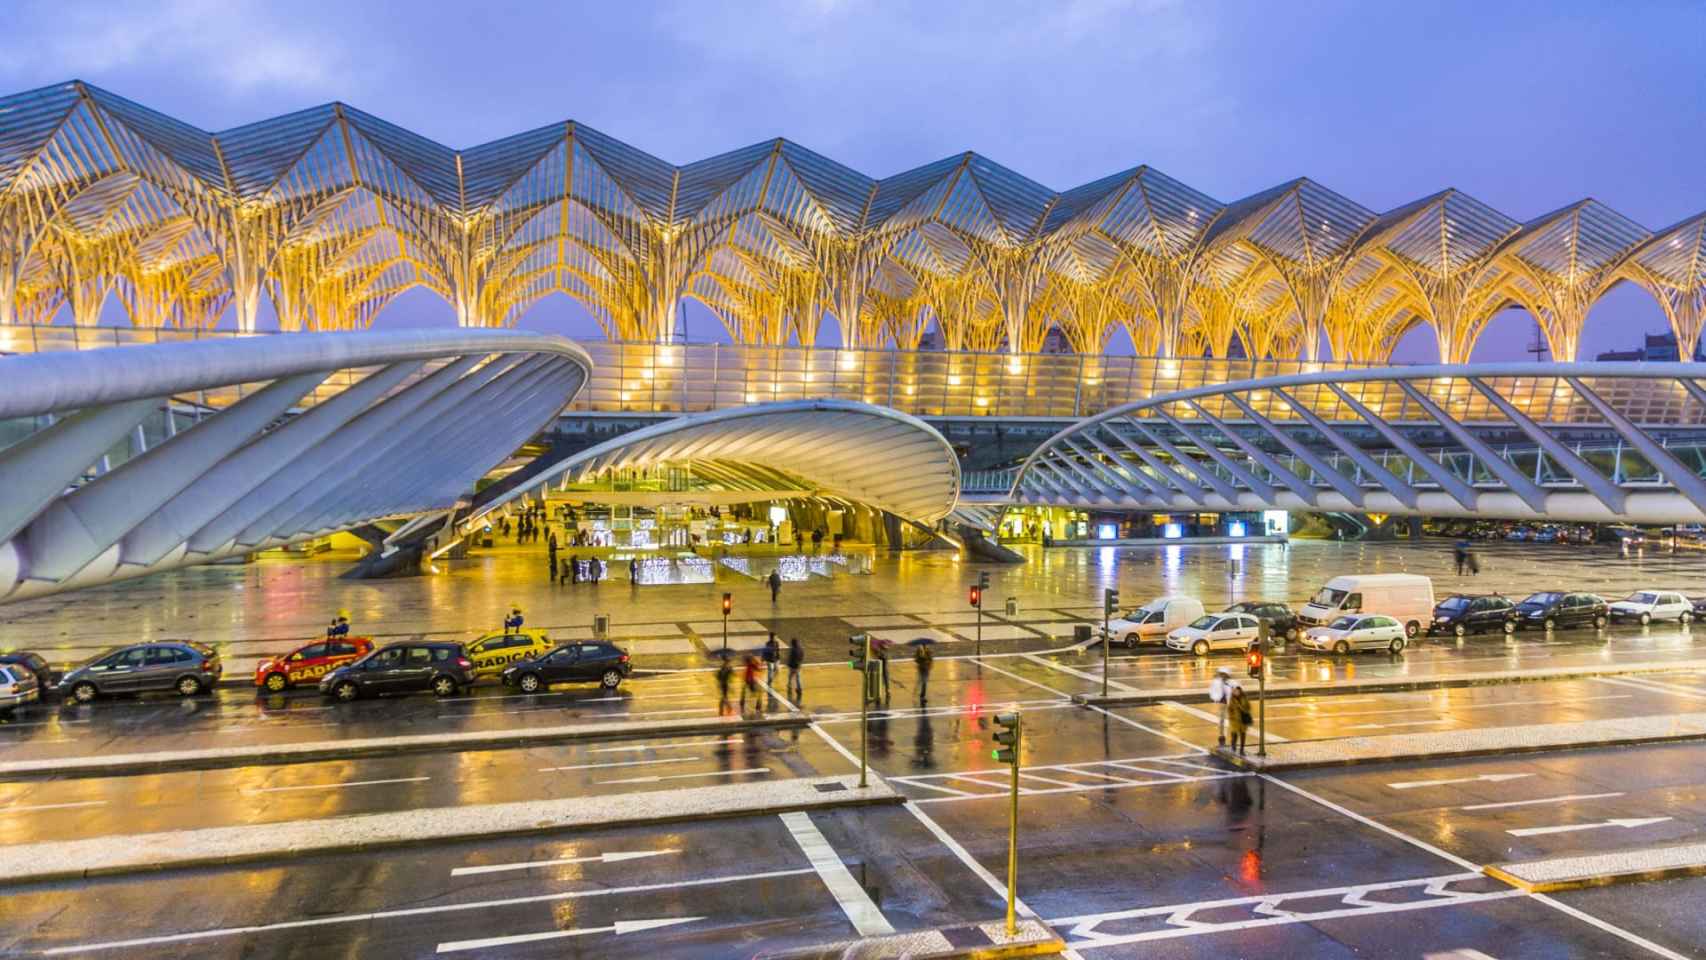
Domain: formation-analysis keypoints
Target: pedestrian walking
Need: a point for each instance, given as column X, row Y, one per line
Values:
column 634, row 570
column 923, row 659
column 563, row 567
column 725, row 672
column 775, row 581
column 817, row 540
column 1238, row 716
column 1218, row 689
column 1460, row 553
column 575, row 569
column 796, row 661
column 772, row 659
column 749, row 684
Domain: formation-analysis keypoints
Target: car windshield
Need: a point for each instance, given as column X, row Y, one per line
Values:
column 1454, row 603
column 1343, row 623
column 1541, row 599
column 1643, row 598
column 1328, row 597
column 97, row 658
column 1204, row 623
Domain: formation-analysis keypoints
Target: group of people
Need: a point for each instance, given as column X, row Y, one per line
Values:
column 770, row 657
column 529, row 527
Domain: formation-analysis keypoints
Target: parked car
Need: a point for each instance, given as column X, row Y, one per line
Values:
column 18, row 688
column 584, row 662
column 1215, row 631
column 309, row 662
column 1461, row 614
column 185, row 666
column 1368, row 631
column 407, row 667
column 1646, row 606
column 1406, row 597
column 1553, row 610
column 495, row 651
column 46, row 675
column 1281, row 621
column 1699, row 607
column 1150, row 622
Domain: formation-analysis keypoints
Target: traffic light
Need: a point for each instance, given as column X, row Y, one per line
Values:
column 728, row 603
column 1254, row 659
column 1007, row 738
column 1110, row 601
column 976, row 595
column 856, row 650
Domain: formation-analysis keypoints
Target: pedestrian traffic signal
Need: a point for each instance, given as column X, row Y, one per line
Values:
column 728, row 603
column 1007, row 738
column 1254, row 659
column 856, row 651
column 1110, row 601
column 976, row 595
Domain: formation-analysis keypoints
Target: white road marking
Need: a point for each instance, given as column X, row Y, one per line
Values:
column 1300, row 703
column 664, row 746
column 619, row 928
column 689, row 776
column 1214, row 719
column 1483, row 778
column 617, row 763
column 51, row 806
column 1566, row 798
column 866, row 918
column 1082, row 675
column 1654, row 686
column 1463, row 954
column 538, row 864
column 1080, row 788
column 1405, row 723
column 1627, row 824
column 417, row 912
column 337, row 786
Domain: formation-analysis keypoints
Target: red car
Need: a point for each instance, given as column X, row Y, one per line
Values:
column 308, row 663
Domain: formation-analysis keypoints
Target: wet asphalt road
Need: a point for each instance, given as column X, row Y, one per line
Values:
column 1133, row 842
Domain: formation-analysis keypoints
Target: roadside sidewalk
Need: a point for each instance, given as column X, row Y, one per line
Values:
column 217, row 846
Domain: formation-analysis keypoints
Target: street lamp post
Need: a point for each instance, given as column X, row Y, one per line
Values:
column 728, row 605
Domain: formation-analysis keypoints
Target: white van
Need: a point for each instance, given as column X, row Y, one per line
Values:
column 1151, row 622
column 1406, row 597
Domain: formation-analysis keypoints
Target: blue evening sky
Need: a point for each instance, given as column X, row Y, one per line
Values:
column 1525, row 105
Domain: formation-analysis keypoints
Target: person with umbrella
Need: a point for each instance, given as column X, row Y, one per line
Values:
column 923, row 659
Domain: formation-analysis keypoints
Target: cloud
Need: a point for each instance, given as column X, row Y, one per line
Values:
column 236, row 47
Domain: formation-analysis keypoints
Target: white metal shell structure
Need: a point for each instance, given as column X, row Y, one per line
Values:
column 856, row 451
column 1588, row 442
column 257, row 442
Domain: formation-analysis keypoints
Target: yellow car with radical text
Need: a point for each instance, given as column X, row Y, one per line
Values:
column 497, row 650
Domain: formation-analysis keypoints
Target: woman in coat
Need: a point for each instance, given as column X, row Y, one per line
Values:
column 1238, row 717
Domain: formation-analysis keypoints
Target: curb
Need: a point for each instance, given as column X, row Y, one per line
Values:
column 64, row 768
column 1255, row 764
column 30, row 863
column 1606, row 878
column 968, row 941
column 1144, row 699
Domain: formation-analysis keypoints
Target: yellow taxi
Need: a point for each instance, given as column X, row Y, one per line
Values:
column 497, row 650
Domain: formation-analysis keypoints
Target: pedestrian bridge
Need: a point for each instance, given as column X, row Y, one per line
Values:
column 1581, row 442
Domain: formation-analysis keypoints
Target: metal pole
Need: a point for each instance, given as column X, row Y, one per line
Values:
column 864, row 705
column 1107, row 641
column 1262, row 697
column 725, row 633
column 1013, row 827
column 980, row 622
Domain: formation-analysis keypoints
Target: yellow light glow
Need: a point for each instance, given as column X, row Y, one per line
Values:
column 953, row 381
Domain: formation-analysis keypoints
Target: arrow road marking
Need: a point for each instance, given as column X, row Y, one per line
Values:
column 617, row 763
column 1572, row 827
column 535, row 864
column 689, row 776
column 619, row 928
column 1483, row 778
column 1566, row 798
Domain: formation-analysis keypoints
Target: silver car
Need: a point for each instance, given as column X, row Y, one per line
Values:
column 182, row 665
column 18, row 686
column 1367, row 631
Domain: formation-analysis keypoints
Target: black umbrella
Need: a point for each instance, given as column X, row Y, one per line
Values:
column 921, row 641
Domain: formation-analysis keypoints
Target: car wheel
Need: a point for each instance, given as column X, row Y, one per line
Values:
column 1510, row 627
column 1459, row 629
column 346, row 691
column 611, row 679
column 530, row 683
column 1686, row 618
column 1599, row 622
column 276, row 682
column 84, row 693
column 1646, row 618
column 1397, row 645
column 1551, row 624
column 1342, row 647
column 1413, row 629
column 1200, row 648
column 443, row 686
column 1131, row 641
column 188, row 686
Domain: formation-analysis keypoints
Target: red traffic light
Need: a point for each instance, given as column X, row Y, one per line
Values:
column 976, row 595
column 728, row 603
column 1254, row 659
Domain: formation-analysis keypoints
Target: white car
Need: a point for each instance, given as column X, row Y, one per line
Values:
column 1367, row 631
column 1215, row 631
column 1649, row 605
column 1150, row 622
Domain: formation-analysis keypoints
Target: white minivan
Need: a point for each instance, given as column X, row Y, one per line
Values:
column 1405, row 597
column 1151, row 622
